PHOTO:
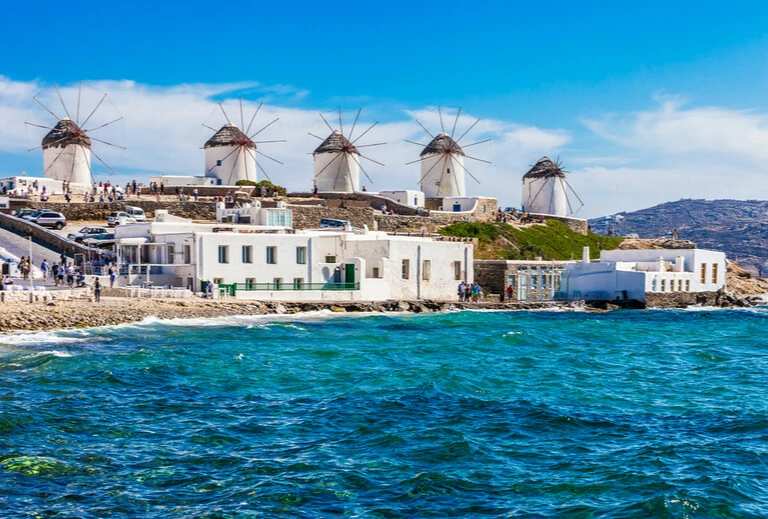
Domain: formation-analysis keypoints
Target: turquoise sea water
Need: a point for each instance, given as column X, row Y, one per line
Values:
column 470, row 414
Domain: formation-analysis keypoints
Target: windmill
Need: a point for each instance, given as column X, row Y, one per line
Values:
column 337, row 159
column 67, row 147
column 442, row 161
column 231, row 154
column 545, row 189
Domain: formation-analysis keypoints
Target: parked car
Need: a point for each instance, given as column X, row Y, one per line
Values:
column 334, row 224
column 21, row 213
column 137, row 212
column 46, row 218
column 115, row 216
column 86, row 232
column 102, row 241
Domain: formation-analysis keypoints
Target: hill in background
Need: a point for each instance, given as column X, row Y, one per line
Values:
column 737, row 227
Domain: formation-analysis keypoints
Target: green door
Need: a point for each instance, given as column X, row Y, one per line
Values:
column 349, row 273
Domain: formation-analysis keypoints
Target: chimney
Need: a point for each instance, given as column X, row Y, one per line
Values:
column 585, row 255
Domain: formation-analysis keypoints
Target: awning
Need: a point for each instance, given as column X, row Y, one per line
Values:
column 132, row 241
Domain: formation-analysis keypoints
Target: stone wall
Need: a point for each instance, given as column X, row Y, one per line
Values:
column 308, row 217
column 578, row 225
column 79, row 211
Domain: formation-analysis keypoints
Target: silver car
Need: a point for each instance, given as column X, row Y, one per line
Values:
column 46, row 218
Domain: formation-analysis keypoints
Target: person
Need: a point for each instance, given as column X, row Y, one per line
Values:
column 60, row 276
column 24, row 268
column 676, row 234
column 460, row 291
column 510, row 292
column 68, row 197
column 195, row 193
column 314, row 192
column 364, row 189
column 97, row 290
column 162, row 188
column 209, row 290
column 44, row 268
column 6, row 270
column 112, row 275
column 70, row 275
column 80, row 278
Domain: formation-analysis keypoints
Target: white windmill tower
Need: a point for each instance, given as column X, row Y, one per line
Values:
column 230, row 154
column 442, row 162
column 337, row 160
column 67, row 146
column 545, row 190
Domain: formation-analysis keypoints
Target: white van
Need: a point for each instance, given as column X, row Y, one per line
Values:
column 137, row 212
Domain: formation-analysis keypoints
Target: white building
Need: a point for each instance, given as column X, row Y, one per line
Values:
column 183, row 181
column 29, row 186
column 67, row 155
column 337, row 165
column 442, row 168
column 271, row 261
column 630, row 274
column 230, row 155
column 409, row 197
column 544, row 189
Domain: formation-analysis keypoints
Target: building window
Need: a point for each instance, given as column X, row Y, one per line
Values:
column 457, row 270
column 187, row 254
column 714, row 273
column 298, row 283
column 247, row 254
column 249, row 283
column 301, row 255
column 271, row 255
column 426, row 270
column 330, row 259
column 279, row 218
column 703, row 273
column 171, row 254
column 218, row 281
column 663, row 285
column 687, row 285
column 278, row 283
column 223, row 253
column 375, row 272
column 218, row 163
column 406, row 269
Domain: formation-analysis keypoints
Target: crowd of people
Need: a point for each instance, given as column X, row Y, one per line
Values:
column 470, row 292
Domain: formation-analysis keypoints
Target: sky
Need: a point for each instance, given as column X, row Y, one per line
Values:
column 643, row 102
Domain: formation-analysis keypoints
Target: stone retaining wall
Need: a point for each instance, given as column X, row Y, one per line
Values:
column 578, row 225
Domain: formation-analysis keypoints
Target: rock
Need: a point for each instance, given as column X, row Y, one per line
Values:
column 337, row 309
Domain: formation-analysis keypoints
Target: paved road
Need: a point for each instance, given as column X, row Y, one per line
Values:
column 15, row 245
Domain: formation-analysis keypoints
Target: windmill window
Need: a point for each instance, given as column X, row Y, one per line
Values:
column 218, row 163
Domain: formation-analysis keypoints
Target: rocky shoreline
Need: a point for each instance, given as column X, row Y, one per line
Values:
column 82, row 313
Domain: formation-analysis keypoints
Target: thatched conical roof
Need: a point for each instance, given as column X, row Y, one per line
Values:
column 335, row 143
column 441, row 144
column 66, row 132
column 229, row 135
column 544, row 168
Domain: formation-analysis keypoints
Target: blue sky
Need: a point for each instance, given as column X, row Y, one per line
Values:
column 620, row 91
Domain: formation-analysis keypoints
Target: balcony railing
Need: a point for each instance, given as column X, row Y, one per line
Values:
column 231, row 289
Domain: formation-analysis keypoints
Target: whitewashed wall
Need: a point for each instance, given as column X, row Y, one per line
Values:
column 545, row 196
column 74, row 164
column 342, row 176
column 447, row 178
column 240, row 165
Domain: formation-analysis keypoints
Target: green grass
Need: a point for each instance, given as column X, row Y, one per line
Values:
column 553, row 241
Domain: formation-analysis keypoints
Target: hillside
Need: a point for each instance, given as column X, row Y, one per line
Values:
column 551, row 241
column 737, row 227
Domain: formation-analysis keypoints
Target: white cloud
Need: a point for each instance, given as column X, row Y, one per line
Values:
column 163, row 132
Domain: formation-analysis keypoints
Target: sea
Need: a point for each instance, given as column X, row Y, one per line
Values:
column 550, row 414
